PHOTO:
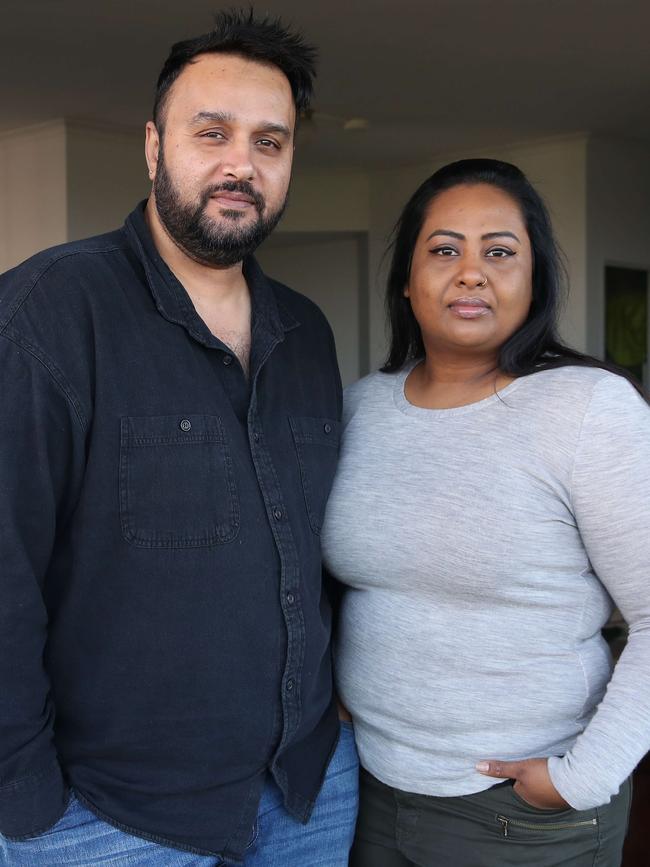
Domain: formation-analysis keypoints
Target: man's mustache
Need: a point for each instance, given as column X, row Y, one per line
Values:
column 243, row 187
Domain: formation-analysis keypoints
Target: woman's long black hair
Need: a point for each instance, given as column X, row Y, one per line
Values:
column 535, row 345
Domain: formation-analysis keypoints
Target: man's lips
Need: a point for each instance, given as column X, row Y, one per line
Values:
column 232, row 199
column 469, row 308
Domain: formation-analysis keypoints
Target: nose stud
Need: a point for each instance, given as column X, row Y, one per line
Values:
column 484, row 283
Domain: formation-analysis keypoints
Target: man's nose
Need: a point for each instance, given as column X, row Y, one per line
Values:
column 237, row 163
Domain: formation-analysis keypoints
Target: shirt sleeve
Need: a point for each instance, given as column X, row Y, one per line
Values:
column 611, row 499
column 41, row 466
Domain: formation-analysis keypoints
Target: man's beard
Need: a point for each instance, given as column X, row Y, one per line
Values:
column 199, row 235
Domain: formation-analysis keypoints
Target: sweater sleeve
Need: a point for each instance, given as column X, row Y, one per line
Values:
column 611, row 500
column 41, row 466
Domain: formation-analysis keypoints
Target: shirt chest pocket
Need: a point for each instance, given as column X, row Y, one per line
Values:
column 317, row 447
column 177, row 488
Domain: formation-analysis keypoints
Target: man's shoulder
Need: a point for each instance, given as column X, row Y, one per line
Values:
column 54, row 270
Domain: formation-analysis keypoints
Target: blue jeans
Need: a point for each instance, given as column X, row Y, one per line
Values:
column 80, row 839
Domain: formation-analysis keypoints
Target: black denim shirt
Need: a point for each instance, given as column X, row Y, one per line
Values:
column 164, row 636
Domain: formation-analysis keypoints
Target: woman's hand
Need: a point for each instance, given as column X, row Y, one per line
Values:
column 532, row 781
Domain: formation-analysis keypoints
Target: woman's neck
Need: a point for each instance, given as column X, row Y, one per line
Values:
column 447, row 382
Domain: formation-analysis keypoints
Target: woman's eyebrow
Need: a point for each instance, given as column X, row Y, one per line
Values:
column 449, row 233
column 504, row 234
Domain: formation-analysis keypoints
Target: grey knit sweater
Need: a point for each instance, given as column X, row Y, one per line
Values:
column 481, row 546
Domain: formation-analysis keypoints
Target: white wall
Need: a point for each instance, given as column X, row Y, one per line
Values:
column 61, row 181
column 618, row 220
column 107, row 177
column 33, row 191
column 322, row 201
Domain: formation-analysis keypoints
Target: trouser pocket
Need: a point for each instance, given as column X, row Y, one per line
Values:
column 493, row 828
column 560, row 838
column 509, row 824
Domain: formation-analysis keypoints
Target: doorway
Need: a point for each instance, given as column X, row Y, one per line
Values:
column 626, row 320
column 330, row 268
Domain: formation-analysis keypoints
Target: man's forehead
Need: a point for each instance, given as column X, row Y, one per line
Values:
column 231, row 84
column 213, row 69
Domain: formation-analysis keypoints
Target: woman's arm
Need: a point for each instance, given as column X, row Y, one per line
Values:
column 610, row 492
column 611, row 499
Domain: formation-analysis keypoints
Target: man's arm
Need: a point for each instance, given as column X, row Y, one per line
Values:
column 41, row 468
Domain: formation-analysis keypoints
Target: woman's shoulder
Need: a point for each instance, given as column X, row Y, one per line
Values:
column 578, row 381
column 374, row 389
column 580, row 395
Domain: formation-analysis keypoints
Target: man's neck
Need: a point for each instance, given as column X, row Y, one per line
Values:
column 196, row 277
column 220, row 295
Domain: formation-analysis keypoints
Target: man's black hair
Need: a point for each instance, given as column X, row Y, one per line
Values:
column 240, row 32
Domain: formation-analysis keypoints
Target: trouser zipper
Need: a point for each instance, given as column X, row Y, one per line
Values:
column 537, row 826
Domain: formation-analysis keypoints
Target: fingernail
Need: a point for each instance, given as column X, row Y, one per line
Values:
column 482, row 767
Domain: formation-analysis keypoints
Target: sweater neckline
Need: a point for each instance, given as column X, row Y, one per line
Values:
column 404, row 406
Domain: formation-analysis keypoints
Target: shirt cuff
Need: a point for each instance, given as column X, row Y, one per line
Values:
column 32, row 805
column 575, row 792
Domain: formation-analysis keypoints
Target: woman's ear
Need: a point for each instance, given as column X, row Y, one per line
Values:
column 406, row 292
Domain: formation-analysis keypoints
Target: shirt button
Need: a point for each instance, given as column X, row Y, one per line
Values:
column 185, row 425
column 289, row 685
column 256, row 437
column 291, row 598
column 227, row 360
column 277, row 514
column 327, row 428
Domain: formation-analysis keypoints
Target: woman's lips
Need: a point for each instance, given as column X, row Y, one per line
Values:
column 469, row 308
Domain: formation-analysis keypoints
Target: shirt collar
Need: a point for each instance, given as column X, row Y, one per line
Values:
column 175, row 304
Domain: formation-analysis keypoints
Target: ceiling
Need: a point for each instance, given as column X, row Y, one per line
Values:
column 429, row 75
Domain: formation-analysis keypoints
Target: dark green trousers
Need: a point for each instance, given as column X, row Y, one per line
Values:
column 495, row 828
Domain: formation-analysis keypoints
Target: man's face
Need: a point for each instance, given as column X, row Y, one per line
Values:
column 221, row 172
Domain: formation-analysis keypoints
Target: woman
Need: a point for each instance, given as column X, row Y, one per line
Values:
column 491, row 501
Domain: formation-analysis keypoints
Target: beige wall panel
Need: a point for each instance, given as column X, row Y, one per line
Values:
column 107, row 177
column 327, row 202
column 32, row 191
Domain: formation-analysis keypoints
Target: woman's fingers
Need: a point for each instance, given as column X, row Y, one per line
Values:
column 507, row 770
column 533, row 782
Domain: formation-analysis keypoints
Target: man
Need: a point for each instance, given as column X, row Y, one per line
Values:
column 168, row 433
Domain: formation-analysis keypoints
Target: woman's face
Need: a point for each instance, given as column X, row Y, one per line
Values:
column 470, row 233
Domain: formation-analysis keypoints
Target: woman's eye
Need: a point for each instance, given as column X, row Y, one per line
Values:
column 499, row 253
column 445, row 251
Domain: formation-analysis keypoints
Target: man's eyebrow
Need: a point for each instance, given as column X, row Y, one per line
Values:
column 217, row 116
column 226, row 117
column 449, row 233
column 270, row 126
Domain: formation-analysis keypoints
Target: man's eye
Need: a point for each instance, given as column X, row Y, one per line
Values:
column 499, row 253
column 212, row 134
column 267, row 143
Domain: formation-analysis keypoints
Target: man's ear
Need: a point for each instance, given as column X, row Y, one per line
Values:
column 151, row 148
